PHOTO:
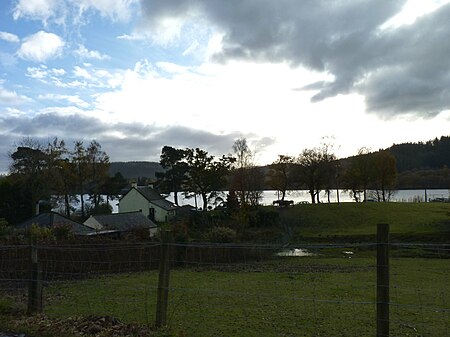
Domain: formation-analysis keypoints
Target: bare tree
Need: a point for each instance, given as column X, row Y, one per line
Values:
column 246, row 178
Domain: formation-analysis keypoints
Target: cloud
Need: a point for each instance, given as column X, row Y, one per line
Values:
column 11, row 97
column 61, row 11
column 122, row 141
column 116, row 10
column 35, row 9
column 71, row 99
column 41, row 46
column 81, row 72
column 83, row 52
column 9, row 37
column 400, row 69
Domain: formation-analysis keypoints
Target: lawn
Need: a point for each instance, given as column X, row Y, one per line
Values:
column 309, row 296
column 410, row 221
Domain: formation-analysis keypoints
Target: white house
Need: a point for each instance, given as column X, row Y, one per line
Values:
column 146, row 200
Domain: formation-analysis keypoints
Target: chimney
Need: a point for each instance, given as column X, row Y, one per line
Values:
column 134, row 184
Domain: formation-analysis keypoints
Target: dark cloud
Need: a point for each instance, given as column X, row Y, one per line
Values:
column 398, row 70
column 139, row 141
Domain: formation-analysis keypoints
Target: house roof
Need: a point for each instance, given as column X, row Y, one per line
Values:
column 154, row 197
column 124, row 221
column 52, row 219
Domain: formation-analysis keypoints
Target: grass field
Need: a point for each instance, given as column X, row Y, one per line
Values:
column 330, row 294
column 310, row 296
column 409, row 221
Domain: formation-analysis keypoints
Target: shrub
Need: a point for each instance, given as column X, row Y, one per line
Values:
column 5, row 230
column 41, row 233
column 263, row 217
column 221, row 235
column 62, row 232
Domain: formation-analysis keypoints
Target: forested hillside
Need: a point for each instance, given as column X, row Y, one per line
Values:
column 135, row 169
column 419, row 165
column 434, row 154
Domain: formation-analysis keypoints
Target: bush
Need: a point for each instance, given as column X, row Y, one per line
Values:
column 62, row 232
column 221, row 235
column 41, row 233
column 263, row 217
column 5, row 230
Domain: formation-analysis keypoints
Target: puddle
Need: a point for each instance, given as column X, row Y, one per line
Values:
column 295, row 252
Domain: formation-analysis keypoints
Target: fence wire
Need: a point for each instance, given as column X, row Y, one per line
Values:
column 241, row 290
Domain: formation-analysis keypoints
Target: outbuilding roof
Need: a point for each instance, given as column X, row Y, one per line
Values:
column 124, row 221
column 53, row 219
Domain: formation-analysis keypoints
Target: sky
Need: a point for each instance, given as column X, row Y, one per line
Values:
column 286, row 75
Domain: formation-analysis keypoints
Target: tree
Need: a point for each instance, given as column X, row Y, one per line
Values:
column 207, row 175
column 246, row 178
column 315, row 169
column 175, row 176
column 384, row 174
column 14, row 203
column 359, row 173
column 28, row 168
column 80, row 164
column 113, row 186
column 91, row 171
column 60, row 172
column 98, row 170
column 280, row 174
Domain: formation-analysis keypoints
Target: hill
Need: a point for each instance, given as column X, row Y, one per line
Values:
column 420, row 165
column 135, row 169
column 433, row 154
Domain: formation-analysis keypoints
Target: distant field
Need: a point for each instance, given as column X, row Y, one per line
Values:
column 420, row 221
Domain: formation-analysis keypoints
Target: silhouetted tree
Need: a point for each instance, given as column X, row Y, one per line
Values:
column 175, row 176
column 113, row 186
column 80, row 164
column 246, row 178
column 314, row 170
column 207, row 175
column 280, row 174
column 98, row 170
column 384, row 174
column 28, row 170
column 359, row 173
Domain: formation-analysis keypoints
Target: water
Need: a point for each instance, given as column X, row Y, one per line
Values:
column 297, row 252
column 302, row 196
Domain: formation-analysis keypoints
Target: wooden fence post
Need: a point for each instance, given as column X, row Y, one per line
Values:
column 35, row 284
column 163, row 280
column 382, row 280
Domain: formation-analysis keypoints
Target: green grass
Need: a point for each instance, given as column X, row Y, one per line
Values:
column 421, row 221
column 314, row 296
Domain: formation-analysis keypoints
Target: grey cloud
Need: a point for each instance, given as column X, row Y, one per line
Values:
column 401, row 70
column 142, row 142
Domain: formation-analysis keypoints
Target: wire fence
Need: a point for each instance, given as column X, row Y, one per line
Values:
column 205, row 289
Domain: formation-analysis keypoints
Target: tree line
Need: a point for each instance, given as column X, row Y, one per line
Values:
column 316, row 169
column 40, row 172
column 433, row 154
